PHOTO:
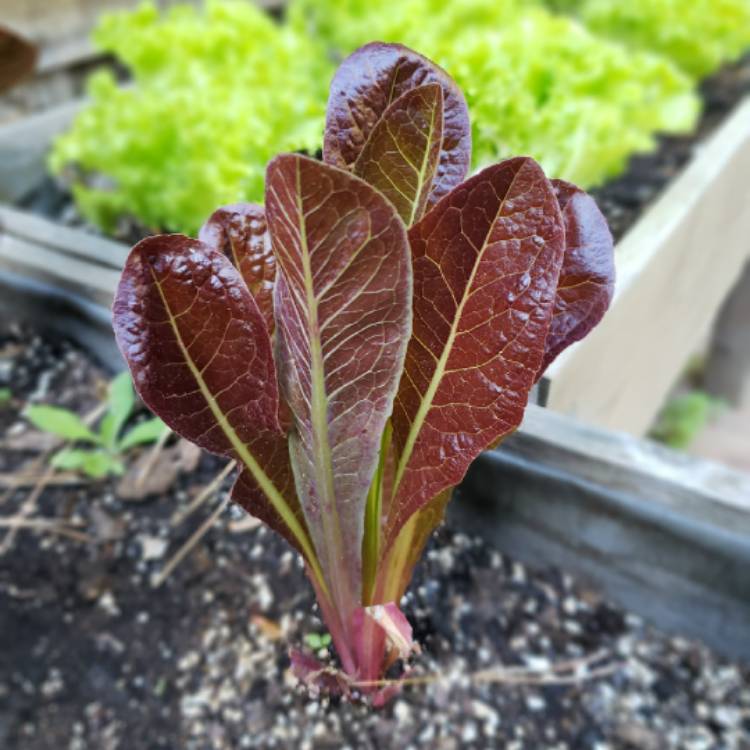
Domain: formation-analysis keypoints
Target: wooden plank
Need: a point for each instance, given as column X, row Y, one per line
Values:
column 662, row 534
column 91, row 282
column 674, row 268
column 69, row 242
column 728, row 362
column 62, row 280
column 24, row 145
column 57, row 310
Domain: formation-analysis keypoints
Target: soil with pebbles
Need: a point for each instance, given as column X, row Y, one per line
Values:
column 92, row 656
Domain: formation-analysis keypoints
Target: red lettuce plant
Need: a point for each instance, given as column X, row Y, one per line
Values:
column 359, row 340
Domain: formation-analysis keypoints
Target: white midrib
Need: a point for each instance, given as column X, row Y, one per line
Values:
column 247, row 458
column 340, row 584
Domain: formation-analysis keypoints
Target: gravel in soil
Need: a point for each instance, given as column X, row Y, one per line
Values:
column 92, row 656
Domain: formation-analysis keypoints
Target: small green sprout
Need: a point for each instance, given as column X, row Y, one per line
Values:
column 316, row 641
column 684, row 416
column 105, row 448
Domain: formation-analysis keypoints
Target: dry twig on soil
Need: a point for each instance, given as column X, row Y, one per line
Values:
column 186, row 548
column 208, row 491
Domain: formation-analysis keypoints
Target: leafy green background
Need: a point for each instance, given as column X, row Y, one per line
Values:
column 216, row 93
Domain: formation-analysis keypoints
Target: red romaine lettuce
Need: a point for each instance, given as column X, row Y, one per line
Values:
column 355, row 344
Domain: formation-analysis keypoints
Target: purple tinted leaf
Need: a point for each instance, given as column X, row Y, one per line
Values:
column 317, row 676
column 486, row 262
column 239, row 231
column 200, row 354
column 400, row 158
column 587, row 277
column 381, row 634
column 367, row 83
column 343, row 310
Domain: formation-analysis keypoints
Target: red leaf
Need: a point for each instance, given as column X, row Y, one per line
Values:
column 364, row 87
column 381, row 634
column 587, row 278
column 200, row 355
column 343, row 309
column 486, row 262
column 239, row 231
column 18, row 58
column 400, row 158
column 316, row 676
column 273, row 455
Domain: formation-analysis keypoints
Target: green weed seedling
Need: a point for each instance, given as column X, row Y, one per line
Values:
column 97, row 453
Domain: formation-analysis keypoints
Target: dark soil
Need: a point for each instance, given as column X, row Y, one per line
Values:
column 92, row 656
column 623, row 199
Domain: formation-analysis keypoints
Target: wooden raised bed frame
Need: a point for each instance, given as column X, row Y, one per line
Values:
column 674, row 269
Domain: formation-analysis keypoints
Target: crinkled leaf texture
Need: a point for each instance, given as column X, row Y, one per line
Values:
column 587, row 278
column 486, row 261
column 367, row 83
column 239, row 231
column 398, row 356
column 200, row 354
column 343, row 313
column 401, row 156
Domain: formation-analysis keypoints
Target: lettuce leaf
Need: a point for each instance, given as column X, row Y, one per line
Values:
column 216, row 92
column 536, row 83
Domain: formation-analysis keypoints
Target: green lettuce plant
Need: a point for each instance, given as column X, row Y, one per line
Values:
column 215, row 93
column 535, row 83
column 698, row 35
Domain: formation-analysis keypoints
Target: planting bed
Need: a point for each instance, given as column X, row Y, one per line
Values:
column 92, row 656
column 623, row 199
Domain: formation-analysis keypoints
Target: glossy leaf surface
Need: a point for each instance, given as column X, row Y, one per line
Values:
column 367, row 83
column 486, row 262
column 343, row 311
column 200, row 354
column 587, row 277
column 401, row 156
column 239, row 231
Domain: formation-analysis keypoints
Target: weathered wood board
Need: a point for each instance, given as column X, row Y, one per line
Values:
column 662, row 533
column 728, row 361
column 62, row 28
column 61, row 278
column 24, row 145
column 675, row 267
